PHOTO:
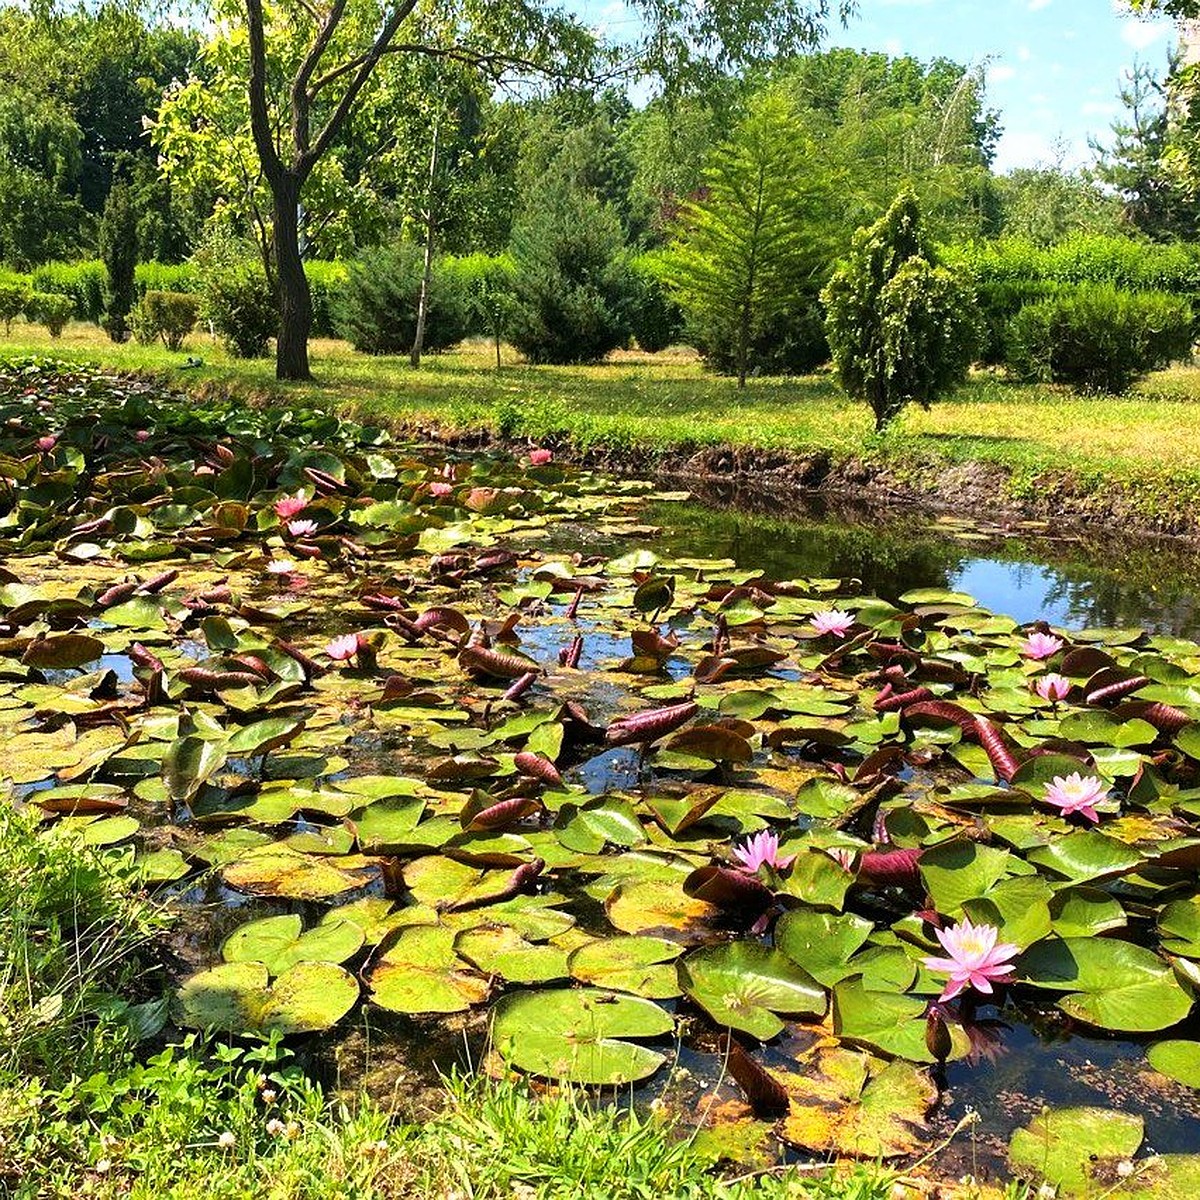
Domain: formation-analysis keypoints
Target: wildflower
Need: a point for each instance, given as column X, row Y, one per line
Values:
column 104, row 1166
column 227, row 1141
column 289, row 506
column 1052, row 687
column 270, row 1095
column 1076, row 793
column 142, row 435
column 48, row 442
column 439, row 489
column 762, row 848
column 275, row 1127
column 292, row 1129
column 342, row 648
column 975, row 959
column 539, row 457
column 833, row 621
column 301, row 528
column 1041, row 645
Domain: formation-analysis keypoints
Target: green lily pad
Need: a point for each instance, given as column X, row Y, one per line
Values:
column 1177, row 1059
column 577, row 1035
column 280, row 942
column 1115, row 985
column 421, row 973
column 643, row 966
column 743, row 985
column 237, row 997
column 1066, row 1147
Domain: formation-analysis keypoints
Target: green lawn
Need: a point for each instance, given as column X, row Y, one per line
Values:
column 1145, row 445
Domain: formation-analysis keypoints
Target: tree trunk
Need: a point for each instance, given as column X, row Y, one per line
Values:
column 427, row 273
column 295, row 300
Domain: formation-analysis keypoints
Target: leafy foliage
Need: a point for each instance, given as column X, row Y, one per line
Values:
column 1096, row 337
column 51, row 309
column 747, row 257
column 170, row 316
column 239, row 301
column 900, row 326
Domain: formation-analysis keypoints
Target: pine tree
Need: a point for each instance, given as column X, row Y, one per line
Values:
column 901, row 327
column 747, row 251
column 573, row 286
column 118, row 249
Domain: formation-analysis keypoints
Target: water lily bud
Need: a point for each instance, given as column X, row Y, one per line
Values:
column 937, row 1035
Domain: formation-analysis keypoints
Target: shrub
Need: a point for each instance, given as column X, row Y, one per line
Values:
column 655, row 318
column 240, row 303
column 377, row 308
column 14, row 299
column 573, row 285
column 1098, row 338
column 82, row 281
column 488, row 284
column 792, row 342
column 51, row 309
column 167, row 315
column 900, row 326
column 118, row 249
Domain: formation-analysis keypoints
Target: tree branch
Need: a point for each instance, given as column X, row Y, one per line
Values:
column 304, row 162
column 301, row 98
column 260, row 118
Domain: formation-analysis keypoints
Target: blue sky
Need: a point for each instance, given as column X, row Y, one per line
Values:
column 1053, row 66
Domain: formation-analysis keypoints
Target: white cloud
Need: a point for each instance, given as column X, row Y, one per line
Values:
column 1141, row 35
column 1000, row 73
column 894, row 47
column 1024, row 53
column 1038, row 5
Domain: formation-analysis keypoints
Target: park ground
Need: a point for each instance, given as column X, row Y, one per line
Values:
column 997, row 447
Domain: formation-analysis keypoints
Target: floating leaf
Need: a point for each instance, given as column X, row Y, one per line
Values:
column 1112, row 984
column 237, row 997
column 743, row 985
column 577, row 1035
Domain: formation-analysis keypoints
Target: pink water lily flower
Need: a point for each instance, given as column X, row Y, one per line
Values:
column 1041, row 645
column 288, row 506
column 1076, row 793
column 974, row 958
column 281, row 566
column 440, row 489
column 142, row 435
column 48, row 442
column 833, row 621
column 342, row 648
column 301, row 528
column 540, row 457
column 1052, row 687
column 762, row 848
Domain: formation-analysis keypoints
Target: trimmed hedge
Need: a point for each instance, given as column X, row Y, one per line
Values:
column 1098, row 338
column 82, row 282
column 1011, row 273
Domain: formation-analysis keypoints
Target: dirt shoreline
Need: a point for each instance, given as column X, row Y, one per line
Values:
column 972, row 491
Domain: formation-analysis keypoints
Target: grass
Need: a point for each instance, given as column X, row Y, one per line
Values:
column 1144, row 446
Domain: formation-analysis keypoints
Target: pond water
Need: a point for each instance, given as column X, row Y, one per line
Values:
column 359, row 820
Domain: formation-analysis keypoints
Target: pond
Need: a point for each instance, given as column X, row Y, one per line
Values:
column 486, row 761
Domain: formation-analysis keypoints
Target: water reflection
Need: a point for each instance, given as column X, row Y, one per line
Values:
column 1028, row 570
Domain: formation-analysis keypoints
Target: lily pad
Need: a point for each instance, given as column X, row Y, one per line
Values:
column 578, row 1035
